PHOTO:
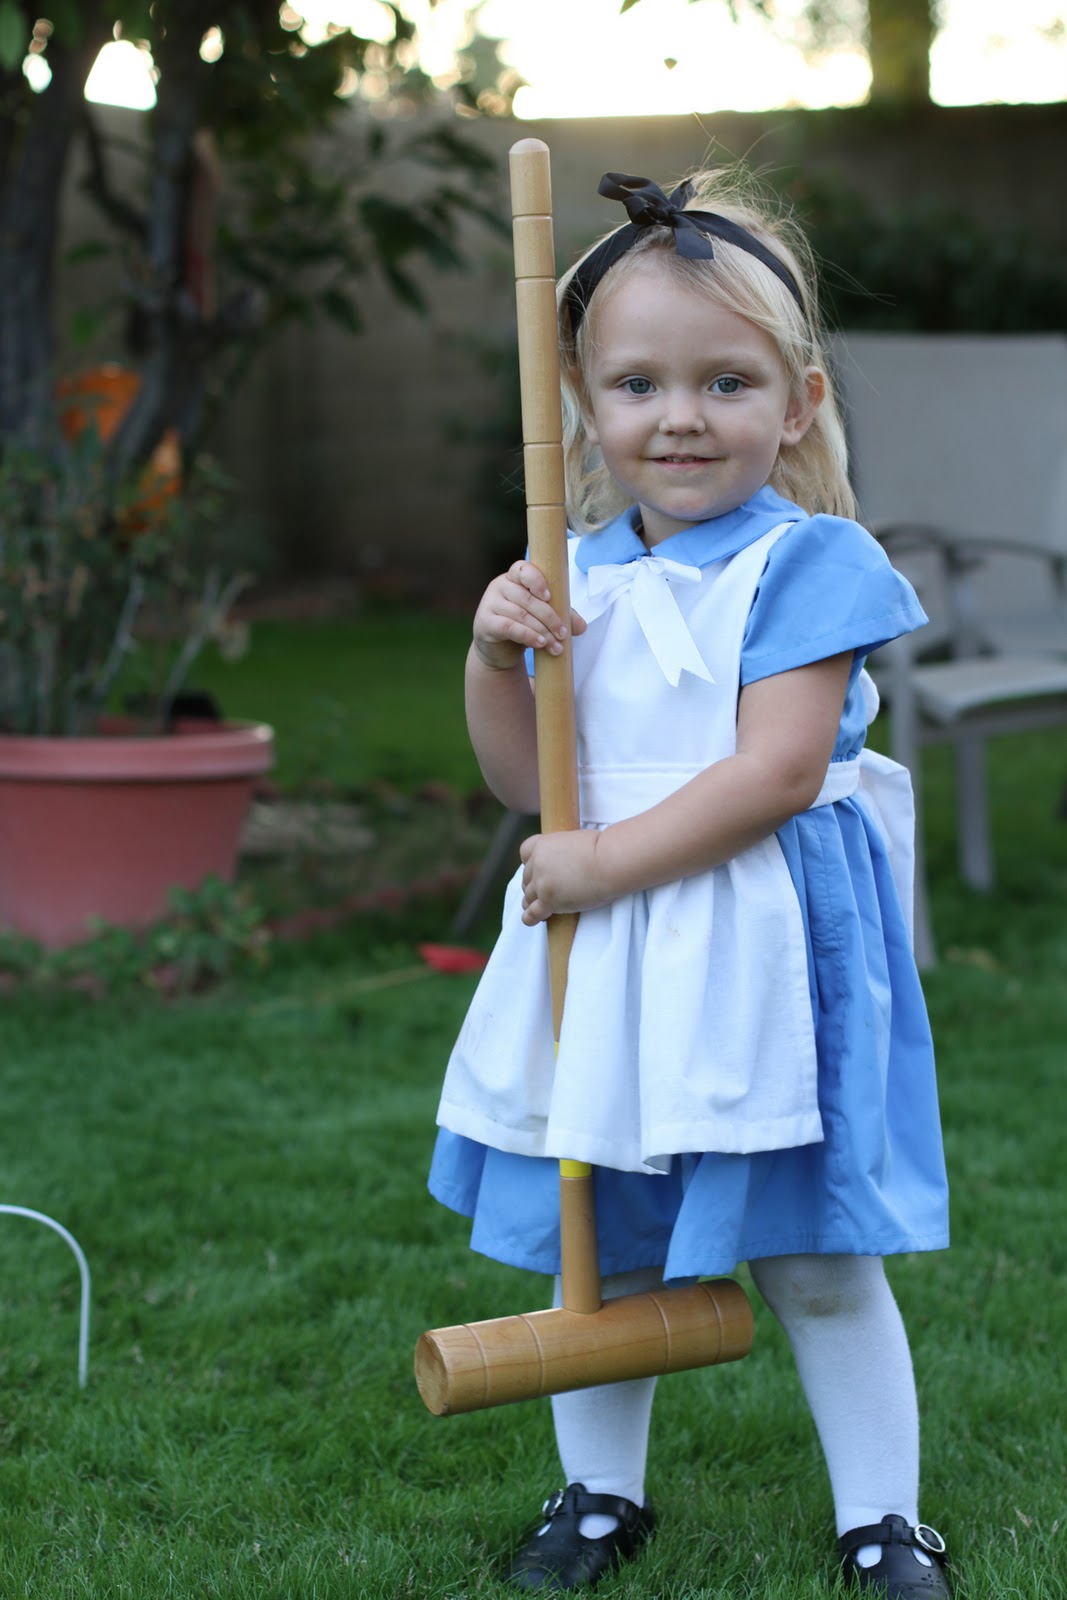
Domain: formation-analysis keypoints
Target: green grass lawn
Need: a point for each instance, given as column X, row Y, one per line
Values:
column 245, row 1170
column 378, row 697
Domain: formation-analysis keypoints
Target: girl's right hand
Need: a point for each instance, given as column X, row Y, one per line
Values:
column 515, row 614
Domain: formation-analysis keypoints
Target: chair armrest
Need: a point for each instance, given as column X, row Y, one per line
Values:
column 957, row 559
column 905, row 537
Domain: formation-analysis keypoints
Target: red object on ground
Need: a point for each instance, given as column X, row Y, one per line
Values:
column 105, row 827
column 452, row 958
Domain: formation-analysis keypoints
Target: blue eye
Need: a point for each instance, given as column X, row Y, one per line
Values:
column 727, row 386
column 638, row 386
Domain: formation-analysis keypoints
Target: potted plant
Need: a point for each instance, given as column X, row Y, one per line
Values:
column 109, row 520
column 105, row 584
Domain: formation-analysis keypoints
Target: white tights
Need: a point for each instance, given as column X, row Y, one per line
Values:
column 851, row 1351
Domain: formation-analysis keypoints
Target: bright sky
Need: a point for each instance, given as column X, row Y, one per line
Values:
column 581, row 58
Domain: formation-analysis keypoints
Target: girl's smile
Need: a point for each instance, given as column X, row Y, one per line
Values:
column 682, row 462
column 688, row 401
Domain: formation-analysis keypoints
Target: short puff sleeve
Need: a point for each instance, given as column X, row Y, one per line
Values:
column 827, row 587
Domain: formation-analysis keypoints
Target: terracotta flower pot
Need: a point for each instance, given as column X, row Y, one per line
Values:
column 106, row 826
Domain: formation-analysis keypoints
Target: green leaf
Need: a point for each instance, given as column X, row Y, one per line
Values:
column 14, row 35
column 626, row 4
column 457, row 200
column 444, row 148
column 403, row 29
column 405, row 288
column 135, row 17
column 67, row 21
column 341, row 309
column 88, row 323
column 90, row 250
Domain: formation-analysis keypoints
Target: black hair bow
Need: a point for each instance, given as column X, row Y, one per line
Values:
column 648, row 207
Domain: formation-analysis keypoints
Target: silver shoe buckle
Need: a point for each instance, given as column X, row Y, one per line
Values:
column 929, row 1539
column 552, row 1504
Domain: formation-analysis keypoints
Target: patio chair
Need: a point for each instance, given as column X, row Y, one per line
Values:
column 959, row 454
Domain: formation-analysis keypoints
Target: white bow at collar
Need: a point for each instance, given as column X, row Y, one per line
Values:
column 648, row 581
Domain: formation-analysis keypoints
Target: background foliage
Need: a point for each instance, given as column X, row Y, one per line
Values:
column 927, row 268
column 260, row 195
column 303, row 221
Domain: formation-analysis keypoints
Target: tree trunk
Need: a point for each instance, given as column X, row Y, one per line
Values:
column 899, row 36
column 172, row 354
column 35, row 161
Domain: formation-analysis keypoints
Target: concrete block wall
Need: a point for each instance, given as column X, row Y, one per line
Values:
column 367, row 457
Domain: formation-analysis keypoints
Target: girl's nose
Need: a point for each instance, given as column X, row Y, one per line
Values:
column 681, row 414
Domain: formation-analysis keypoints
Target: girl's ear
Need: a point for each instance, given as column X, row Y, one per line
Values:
column 803, row 405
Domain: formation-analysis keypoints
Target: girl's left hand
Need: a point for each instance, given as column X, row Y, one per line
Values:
column 560, row 874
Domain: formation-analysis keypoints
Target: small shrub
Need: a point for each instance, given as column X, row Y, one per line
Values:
column 216, row 931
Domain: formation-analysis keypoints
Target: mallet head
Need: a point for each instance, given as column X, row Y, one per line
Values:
column 479, row 1364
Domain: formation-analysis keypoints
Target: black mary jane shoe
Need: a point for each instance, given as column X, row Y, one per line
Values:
column 560, row 1557
column 896, row 1575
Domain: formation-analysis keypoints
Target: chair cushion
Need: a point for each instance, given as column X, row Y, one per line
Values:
column 948, row 690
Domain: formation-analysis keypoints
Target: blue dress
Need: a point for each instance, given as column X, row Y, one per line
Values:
column 875, row 1183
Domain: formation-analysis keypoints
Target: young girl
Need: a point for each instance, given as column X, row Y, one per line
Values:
column 745, row 1055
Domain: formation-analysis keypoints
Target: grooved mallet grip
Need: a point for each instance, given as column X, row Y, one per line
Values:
column 546, row 515
column 546, row 527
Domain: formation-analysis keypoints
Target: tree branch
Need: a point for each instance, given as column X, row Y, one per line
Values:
column 97, row 183
column 170, row 361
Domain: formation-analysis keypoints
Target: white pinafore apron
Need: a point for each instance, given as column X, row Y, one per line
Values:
column 688, row 1021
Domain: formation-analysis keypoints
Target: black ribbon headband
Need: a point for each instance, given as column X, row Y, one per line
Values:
column 648, row 207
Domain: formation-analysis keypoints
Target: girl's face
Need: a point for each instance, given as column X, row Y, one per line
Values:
column 688, row 401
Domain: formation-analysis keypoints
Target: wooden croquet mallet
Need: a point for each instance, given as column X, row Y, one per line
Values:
column 585, row 1341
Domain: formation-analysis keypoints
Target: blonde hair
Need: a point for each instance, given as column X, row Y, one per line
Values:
column 813, row 472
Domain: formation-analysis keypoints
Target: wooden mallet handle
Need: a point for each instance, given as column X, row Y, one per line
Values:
column 473, row 1365
column 546, row 515
column 546, row 524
